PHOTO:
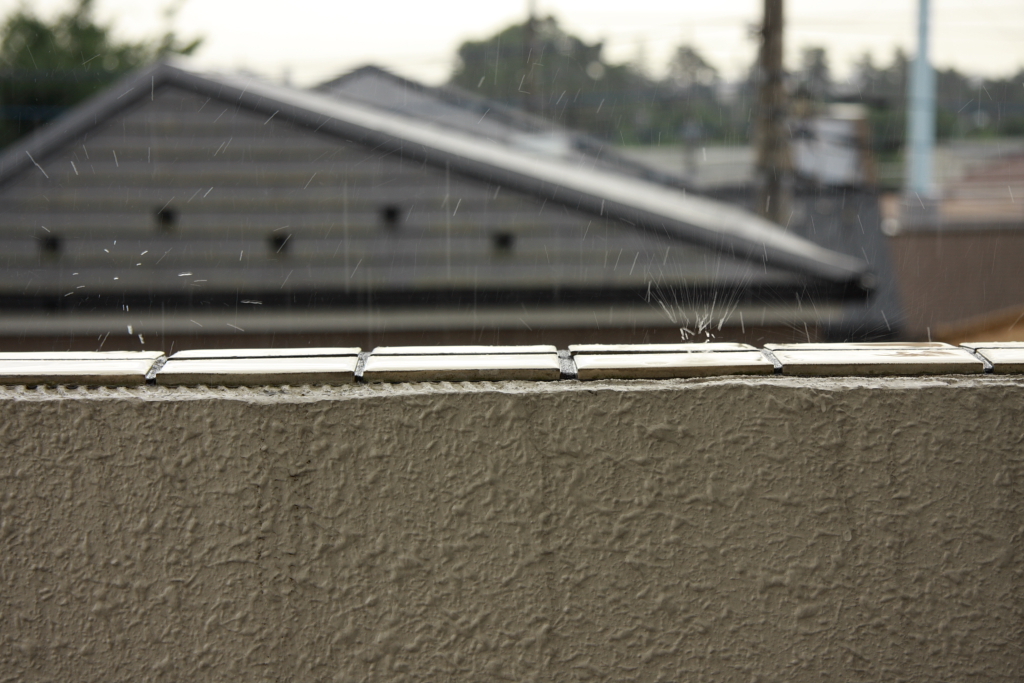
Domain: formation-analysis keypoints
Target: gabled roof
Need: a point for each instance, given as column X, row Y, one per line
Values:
column 642, row 204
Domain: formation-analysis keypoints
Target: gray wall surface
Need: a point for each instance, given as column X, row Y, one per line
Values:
column 235, row 180
column 728, row 530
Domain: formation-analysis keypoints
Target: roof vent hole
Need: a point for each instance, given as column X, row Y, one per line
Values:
column 166, row 218
column 503, row 241
column 279, row 243
column 389, row 214
column 50, row 244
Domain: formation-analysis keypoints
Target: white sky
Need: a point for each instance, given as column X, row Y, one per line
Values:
column 313, row 40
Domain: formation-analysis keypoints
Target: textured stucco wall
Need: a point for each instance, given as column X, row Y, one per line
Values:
column 718, row 530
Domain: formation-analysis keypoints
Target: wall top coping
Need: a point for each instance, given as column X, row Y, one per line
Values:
column 327, row 366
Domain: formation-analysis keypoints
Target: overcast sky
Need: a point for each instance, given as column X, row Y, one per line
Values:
column 313, row 40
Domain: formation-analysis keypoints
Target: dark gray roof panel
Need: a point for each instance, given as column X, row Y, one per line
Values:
column 452, row 107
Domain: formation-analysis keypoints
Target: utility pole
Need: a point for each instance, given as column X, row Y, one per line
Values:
column 920, row 203
column 774, row 169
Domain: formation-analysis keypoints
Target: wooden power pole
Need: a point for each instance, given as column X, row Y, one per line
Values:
column 774, row 168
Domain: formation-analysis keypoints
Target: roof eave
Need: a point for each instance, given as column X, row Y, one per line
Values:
column 34, row 147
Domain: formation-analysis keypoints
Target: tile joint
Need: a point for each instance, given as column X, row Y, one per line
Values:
column 154, row 369
column 567, row 365
column 989, row 368
column 360, row 365
column 775, row 361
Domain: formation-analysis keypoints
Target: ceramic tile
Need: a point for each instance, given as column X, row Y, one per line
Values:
column 196, row 354
column 114, row 372
column 459, row 350
column 994, row 345
column 1005, row 360
column 878, row 361
column 669, row 365
column 462, row 368
column 81, row 355
column 866, row 346
column 658, row 348
column 259, row 371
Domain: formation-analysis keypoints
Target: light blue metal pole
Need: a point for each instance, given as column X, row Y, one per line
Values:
column 921, row 117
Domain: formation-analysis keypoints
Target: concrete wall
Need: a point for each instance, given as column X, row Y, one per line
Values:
column 719, row 530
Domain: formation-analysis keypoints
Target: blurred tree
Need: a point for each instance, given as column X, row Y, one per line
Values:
column 883, row 84
column 884, row 90
column 558, row 76
column 47, row 67
column 542, row 68
column 965, row 106
column 539, row 66
column 814, row 80
column 1004, row 99
column 687, row 69
column 691, row 105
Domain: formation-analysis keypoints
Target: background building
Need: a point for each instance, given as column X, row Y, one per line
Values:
column 960, row 276
column 198, row 209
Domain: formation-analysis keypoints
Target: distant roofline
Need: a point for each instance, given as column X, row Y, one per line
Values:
column 504, row 113
column 453, row 95
column 639, row 203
